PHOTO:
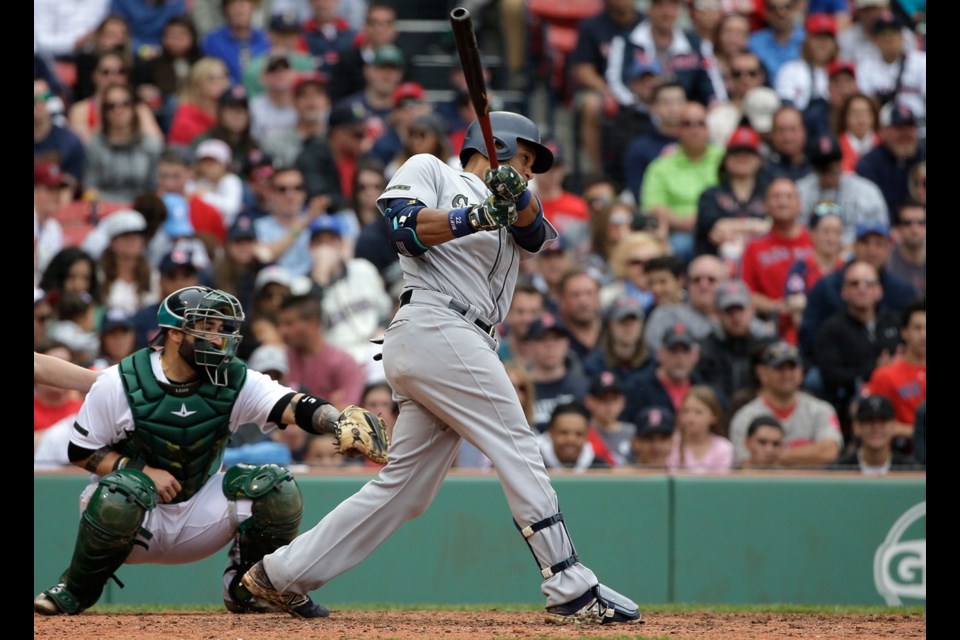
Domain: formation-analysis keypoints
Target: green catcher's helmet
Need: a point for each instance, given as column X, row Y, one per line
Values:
column 208, row 315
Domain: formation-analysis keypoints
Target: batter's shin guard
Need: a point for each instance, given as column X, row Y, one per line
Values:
column 554, row 551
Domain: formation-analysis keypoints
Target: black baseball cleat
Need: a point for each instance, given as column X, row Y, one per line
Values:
column 258, row 583
column 599, row 605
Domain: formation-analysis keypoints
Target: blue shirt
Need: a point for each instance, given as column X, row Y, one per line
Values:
column 235, row 53
column 296, row 259
column 773, row 54
column 68, row 149
column 146, row 19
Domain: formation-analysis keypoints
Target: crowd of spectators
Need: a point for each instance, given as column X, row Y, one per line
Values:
column 740, row 278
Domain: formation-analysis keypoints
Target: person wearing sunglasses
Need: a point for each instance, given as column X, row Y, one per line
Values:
column 673, row 183
column 121, row 158
column 85, row 117
column 283, row 236
column 909, row 256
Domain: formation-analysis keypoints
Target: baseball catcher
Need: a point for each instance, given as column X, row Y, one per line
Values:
column 153, row 429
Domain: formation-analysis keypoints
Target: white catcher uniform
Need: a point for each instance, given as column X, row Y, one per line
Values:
column 196, row 528
column 450, row 384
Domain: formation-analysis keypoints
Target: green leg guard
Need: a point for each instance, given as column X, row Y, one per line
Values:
column 108, row 528
column 274, row 522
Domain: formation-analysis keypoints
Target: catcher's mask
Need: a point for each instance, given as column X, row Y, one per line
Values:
column 213, row 318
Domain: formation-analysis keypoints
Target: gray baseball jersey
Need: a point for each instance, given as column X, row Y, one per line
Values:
column 478, row 269
column 450, row 384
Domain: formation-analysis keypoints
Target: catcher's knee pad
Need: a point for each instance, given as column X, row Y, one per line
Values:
column 108, row 530
column 549, row 550
column 276, row 512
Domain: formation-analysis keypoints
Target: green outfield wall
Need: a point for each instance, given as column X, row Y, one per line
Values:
column 658, row 538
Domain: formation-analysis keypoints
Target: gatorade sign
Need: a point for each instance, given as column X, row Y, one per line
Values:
column 900, row 562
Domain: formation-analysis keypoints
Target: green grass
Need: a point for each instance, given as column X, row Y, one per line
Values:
column 655, row 608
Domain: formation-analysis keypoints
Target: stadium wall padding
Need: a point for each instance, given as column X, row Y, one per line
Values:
column 657, row 538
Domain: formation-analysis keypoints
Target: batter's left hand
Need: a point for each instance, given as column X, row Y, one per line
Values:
column 505, row 182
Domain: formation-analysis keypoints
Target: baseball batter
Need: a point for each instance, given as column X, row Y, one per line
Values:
column 460, row 236
column 153, row 430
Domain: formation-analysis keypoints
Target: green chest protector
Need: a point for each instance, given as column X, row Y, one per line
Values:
column 182, row 429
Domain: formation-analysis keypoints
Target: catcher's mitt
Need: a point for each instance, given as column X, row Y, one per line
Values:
column 360, row 433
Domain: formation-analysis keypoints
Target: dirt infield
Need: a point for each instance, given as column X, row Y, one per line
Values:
column 471, row 625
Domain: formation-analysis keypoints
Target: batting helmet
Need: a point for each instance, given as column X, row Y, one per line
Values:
column 508, row 129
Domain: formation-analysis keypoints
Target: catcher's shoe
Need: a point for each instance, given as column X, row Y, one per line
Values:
column 599, row 605
column 258, row 583
column 55, row 601
column 238, row 600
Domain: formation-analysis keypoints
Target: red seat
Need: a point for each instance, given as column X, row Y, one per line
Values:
column 559, row 20
column 74, row 234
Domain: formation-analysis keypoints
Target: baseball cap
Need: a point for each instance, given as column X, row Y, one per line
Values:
column 347, row 113
column 824, row 150
column 116, row 318
column 235, row 96
column 877, row 228
column 124, row 221
column 269, row 357
column 216, row 150
column 314, row 78
column 817, row 23
column 654, row 420
column 894, row 114
column 177, row 223
column 242, row 229
column 744, row 139
column 325, row 224
column 780, row 353
column 604, row 382
column 47, row 174
column 874, row 408
column 732, row 293
column 284, row 23
column 273, row 274
column 388, row 54
column 546, row 322
column 641, row 68
column 886, row 21
column 406, row 93
column 625, row 306
column 429, row 122
column 759, row 105
column 841, row 66
column 177, row 259
column 678, row 334
column 277, row 61
column 823, row 209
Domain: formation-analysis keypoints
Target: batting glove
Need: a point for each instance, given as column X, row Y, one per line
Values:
column 505, row 182
column 492, row 214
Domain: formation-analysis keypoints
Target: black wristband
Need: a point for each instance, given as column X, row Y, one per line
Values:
column 120, row 463
column 303, row 412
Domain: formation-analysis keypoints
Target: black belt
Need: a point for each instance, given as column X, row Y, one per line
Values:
column 459, row 307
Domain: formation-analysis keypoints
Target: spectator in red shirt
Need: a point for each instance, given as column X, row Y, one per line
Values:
column 904, row 380
column 197, row 111
column 316, row 366
column 767, row 260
